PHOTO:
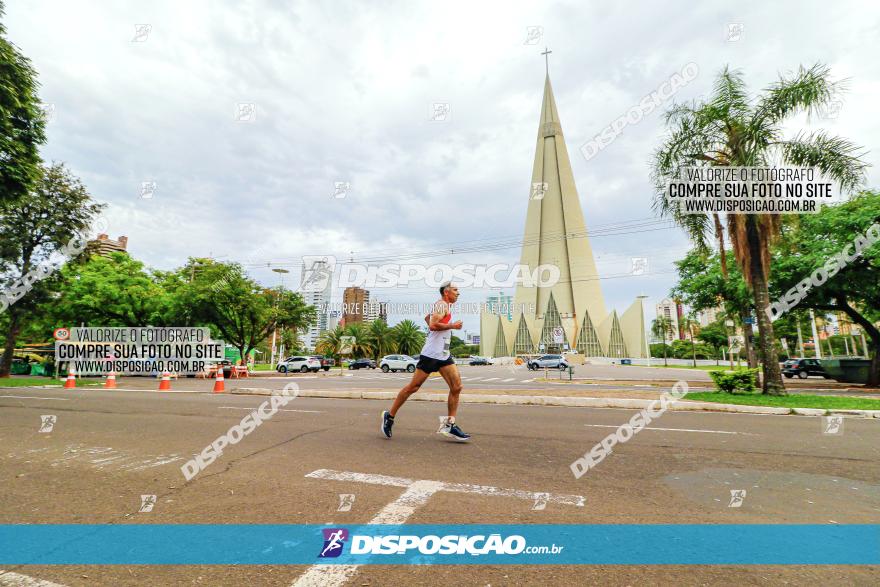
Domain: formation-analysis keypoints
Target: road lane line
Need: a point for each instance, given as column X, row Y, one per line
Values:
column 10, row 579
column 397, row 512
column 63, row 399
column 280, row 409
column 678, row 429
column 492, row 379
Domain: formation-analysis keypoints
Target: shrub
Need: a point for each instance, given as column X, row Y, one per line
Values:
column 742, row 381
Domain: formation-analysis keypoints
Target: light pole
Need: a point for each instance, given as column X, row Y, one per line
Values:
column 280, row 273
column 642, row 299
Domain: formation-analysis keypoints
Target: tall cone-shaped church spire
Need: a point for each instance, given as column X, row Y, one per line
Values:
column 555, row 233
column 570, row 313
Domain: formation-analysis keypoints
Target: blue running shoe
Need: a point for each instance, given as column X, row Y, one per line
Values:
column 451, row 430
column 387, row 423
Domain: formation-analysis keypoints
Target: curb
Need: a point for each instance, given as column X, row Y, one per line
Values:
column 574, row 402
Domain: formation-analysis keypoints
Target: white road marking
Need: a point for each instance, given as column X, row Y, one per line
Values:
column 508, row 379
column 417, row 494
column 492, row 379
column 63, row 399
column 10, row 579
column 527, row 380
column 280, row 410
column 677, row 429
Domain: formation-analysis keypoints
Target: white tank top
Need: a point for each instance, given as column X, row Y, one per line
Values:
column 438, row 341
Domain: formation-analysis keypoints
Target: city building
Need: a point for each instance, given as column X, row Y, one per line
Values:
column 501, row 305
column 672, row 310
column 104, row 245
column 355, row 305
column 316, row 292
column 570, row 313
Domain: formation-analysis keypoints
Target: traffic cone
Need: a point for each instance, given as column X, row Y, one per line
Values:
column 71, row 379
column 165, row 384
column 218, row 381
column 111, row 380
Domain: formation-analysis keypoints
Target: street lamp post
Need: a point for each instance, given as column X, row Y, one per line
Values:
column 642, row 299
column 281, row 272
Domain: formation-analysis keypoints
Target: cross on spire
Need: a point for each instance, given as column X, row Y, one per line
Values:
column 546, row 53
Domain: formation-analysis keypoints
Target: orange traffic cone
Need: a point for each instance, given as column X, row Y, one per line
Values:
column 165, row 384
column 111, row 380
column 71, row 379
column 218, row 381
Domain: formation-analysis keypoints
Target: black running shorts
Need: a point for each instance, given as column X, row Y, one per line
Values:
column 431, row 365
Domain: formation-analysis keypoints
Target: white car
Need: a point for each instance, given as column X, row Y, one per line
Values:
column 397, row 363
column 301, row 364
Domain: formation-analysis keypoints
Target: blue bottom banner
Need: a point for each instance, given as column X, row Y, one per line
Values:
column 477, row 544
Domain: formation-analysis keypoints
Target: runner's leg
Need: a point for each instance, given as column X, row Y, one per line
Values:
column 410, row 388
column 453, row 380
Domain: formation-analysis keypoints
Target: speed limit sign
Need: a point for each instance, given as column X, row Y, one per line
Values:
column 61, row 333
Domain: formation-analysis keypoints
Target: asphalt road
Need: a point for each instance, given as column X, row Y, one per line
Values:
column 588, row 380
column 106, row 449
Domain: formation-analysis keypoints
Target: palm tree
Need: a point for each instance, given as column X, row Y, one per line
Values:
column 661, row 327
column 329, row 342
column 688, row 323
column 408, row 338
column 362, row 346
column 381, row 338
column 733, row 129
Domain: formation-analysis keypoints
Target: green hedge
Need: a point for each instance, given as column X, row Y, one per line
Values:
column 742, row 381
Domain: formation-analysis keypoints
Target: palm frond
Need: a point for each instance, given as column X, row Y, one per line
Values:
column 836, row 157
column 730, row 99
column 809, row 89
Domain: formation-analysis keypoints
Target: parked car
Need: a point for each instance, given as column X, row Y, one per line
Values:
column 478, row 361
column 326, row 362
column 547, row 361
column 362, row 364
column 397, row 363
column 301, row 364
column 803, row 368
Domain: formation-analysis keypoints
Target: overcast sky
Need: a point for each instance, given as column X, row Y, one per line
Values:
column 343, row 93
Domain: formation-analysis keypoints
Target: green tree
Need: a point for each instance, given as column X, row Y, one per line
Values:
column 22, row 122
column 661, row 328
column 814, row 243
column 733, row 129
column 112, row 290
column 408, row 338
column 363, row 346
column 689, row 324
column 715, row 335
column 329, row 342
column 242, row 311
column 42, row 231
column 703, row 284
column 381, row 338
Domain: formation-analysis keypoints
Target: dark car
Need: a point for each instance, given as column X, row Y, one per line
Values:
column 326, row 362
column 362, row 364
column 803, row 368
column 478, row 361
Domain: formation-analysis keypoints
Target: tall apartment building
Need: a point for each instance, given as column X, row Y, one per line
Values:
column 355, row 305
column 672, row 311
column 501, row 305
column 318, row 297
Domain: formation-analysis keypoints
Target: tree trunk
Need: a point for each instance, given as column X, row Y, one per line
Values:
column 11, row 338
column 772, row 384
column 873, row 333
column 748, row 333
column 665, row 361
column 719, row 234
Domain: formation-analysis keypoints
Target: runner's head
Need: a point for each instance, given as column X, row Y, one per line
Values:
column 449, row 292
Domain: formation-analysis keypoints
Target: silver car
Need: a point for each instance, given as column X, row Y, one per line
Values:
column 548, row 362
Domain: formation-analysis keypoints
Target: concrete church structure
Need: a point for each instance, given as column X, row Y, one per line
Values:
column 555, row 233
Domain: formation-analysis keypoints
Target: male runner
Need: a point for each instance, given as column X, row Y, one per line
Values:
column 435, row 356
